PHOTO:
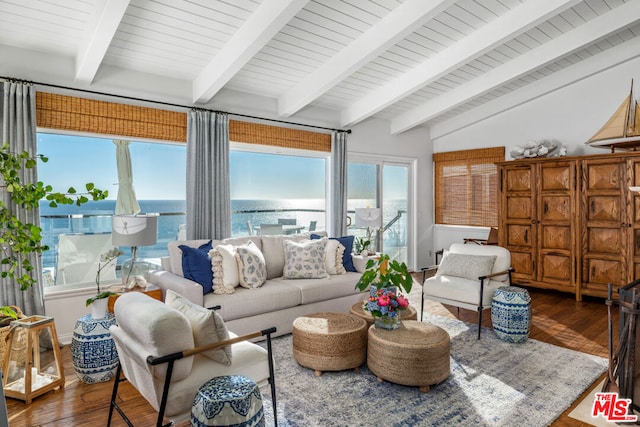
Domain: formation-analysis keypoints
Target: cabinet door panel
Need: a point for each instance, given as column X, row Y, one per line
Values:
column 604, row 240
column 604, row 208
column 554, row 237
column 556, row 208
column 603, row 271
column 556, row 178
column 518, row 179
column 522, row 263
column 519, row 208
column 556, row 269
column 519, row 235
column 604, row 176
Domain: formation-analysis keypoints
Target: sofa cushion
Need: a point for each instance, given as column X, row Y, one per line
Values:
column 175, row 254
column 333, row 255
column 305, row 260
column 315, row 290
column 465, row 266
column 196, row 265
column 273, row 251
column 225, row 269
column 347, row 242
column 252, row 270
column 206, row 325
column 272, row 296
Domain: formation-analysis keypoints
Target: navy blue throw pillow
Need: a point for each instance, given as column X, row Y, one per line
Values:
column 196, row 265
column 347, row 242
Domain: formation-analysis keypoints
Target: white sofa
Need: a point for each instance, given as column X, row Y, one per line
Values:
column 277, row 302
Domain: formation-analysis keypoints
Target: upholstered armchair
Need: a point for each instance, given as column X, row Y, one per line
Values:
column 467, row 277
column 168, row 351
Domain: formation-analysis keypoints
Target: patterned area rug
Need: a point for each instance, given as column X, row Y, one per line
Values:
column 492, row 383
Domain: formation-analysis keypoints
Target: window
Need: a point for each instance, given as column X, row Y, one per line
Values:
column 267, row 188
column 466, row 187
column 75, row 160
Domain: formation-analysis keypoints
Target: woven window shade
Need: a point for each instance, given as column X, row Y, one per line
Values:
column 255, row 133
column 466, row 187
column 71, row 113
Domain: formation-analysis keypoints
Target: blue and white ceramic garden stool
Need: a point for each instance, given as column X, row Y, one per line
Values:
column 511, row 313
column 93, row 352
column 231, row 400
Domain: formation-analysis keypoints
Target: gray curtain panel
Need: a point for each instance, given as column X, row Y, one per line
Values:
column 208, row 182
column 18, row 128
column 338, row 226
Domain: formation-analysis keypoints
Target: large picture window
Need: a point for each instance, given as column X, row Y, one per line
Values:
column 466, row 187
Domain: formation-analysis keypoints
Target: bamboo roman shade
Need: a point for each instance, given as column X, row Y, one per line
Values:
column 255, row 133
column 54, row 111
column 71, row 113
column 466, row 186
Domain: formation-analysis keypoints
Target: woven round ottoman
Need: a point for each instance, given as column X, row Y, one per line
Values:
column 329, row 341
column 511, row 313
column 415, row 354
column 231, row 400
column 357, row 309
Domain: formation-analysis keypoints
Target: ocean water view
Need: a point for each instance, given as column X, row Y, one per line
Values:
column 95, row 217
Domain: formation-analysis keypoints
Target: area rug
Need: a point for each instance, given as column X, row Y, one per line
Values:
column 492, row 383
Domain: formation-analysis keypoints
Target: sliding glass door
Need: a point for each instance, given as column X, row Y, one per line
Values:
column 374, row 183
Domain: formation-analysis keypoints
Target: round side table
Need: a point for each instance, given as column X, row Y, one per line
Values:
column 511, row 313
column 93, row 352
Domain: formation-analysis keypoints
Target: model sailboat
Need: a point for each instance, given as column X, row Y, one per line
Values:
column 623, row 128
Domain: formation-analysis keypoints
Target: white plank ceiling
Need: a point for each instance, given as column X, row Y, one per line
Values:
column 437, row 63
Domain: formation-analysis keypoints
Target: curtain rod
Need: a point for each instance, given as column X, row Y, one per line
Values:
column 169, row 104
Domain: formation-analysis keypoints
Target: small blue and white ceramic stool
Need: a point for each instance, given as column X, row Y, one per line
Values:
column 511, row 313
column 232, row 400
column 93, row 352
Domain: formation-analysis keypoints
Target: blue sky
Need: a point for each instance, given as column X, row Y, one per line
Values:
column 159, row 171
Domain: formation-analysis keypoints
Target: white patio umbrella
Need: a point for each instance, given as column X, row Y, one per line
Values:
column 126, row 202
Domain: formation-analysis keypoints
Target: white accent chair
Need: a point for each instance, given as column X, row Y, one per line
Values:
column 158, row 356
column 467, row 277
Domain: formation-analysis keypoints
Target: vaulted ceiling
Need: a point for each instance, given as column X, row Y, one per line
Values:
column 440, row 63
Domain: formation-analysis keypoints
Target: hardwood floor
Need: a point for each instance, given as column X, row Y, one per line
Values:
column 557, row 319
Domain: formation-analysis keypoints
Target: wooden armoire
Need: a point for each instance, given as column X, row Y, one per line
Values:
column 571, row 223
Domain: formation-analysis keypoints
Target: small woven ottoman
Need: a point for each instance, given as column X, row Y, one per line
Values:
column 415, row 354
column 357, row 309
column 511, row 313
column 329, row 341
column 232, row 400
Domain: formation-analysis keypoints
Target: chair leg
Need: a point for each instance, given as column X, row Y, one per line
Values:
column 272, row 381
column 479, row 321
column 114, row 393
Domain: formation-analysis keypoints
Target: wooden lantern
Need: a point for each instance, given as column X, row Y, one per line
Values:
column 32, row 363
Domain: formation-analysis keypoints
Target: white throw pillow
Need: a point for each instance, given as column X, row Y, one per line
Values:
column 465, row 266
column 207, row 326
column 252, row 270
column 225, row 269
column 333, row 257
column 305, row 260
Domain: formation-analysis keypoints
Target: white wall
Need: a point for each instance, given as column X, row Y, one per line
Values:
column 570, row 115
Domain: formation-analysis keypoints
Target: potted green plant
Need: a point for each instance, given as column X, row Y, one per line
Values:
column 18, row 238
column 385, row 279
column 98, row 302
column 362, row 245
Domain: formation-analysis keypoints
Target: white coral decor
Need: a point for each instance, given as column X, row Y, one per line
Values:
column 542, row 148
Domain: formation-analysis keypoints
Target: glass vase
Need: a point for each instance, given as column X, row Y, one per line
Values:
column 386, row 322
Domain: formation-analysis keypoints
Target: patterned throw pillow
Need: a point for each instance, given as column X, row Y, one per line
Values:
column 305, row 260
column 252, row 269
column 225, row 269
column 465, row 266
column 207, row 326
